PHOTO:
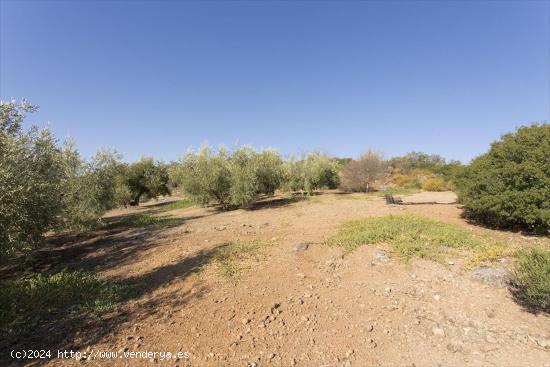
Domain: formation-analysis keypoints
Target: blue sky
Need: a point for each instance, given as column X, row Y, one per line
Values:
column 154, row 78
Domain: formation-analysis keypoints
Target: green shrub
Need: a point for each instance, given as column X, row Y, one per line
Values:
column 417, row 160
column 25, row 303
column 141, row 220
column 173, row 205
column 315, row 172
column 510, row 185
column 434, row 184
column 410, row 236
column 533, row 277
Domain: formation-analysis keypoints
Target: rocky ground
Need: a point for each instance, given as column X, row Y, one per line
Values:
column 298, row 302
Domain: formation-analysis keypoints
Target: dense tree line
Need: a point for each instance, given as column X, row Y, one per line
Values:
column 47, row 185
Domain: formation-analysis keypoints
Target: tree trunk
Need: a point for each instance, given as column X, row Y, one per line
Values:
column 135, row 200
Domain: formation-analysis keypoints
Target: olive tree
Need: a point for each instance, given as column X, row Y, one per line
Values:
column 32, row 180
column 146, row 177
column 314, row 172
column 229, row 178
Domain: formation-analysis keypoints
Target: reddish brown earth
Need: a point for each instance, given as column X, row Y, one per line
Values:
column 309, row 308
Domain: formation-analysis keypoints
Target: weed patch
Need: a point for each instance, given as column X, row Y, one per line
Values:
column 230, row 258
column 25, row 303
column 533, row 277
column 141, row 220
column 412, row 236
column 173, row 205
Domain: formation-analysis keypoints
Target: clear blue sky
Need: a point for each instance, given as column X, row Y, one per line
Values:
column 153, row 78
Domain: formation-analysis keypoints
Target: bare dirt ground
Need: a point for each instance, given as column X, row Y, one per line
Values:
column 288, row 308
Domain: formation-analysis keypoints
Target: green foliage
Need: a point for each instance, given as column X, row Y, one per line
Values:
column 411, row 180
column 141, row 220
column 205, row 176
column 26, row 302
column 32, row 178
column 510, row 185
column 315, row 172
column 359, row 175
column 533, row 277
column 417, row 160
column 434, row 184
column 46, row 186
column 410, row 236
column 146, row 177
column 229, row 178
column 412, row 169
column 91, row 188
column 177, row 204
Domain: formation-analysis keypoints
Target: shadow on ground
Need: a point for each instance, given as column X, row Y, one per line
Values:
column 277, row 202
column 77, row 330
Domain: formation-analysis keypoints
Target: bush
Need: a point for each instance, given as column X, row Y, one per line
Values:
column 409, row 181
column 315, row 172
column 434, row 184
column 25, row 302
column 510, row 185
column 533, row 277
column 359, row 175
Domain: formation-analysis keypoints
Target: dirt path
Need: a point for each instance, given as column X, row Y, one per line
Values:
column 306, row 308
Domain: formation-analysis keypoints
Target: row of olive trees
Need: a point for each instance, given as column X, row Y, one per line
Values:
column 46, row 185
column 237, row 178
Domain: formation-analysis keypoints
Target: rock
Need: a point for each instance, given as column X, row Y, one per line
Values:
column 381, row 257
column 300, row 247
column 437, row 331
column 543, row 343
column 493, row 277
column 490, row 313
column 437, row 297
column 455, row 347
column 490, row 338
column 245, row 321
